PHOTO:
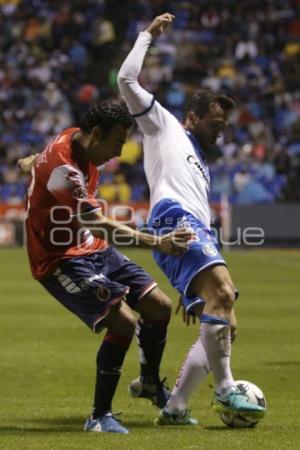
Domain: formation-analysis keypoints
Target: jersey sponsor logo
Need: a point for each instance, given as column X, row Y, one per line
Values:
column 103, row 293
column 65, row 178
column 66, row 282
column 196, row 164
column 73, row 175
column 209, row 250
column 79, row 193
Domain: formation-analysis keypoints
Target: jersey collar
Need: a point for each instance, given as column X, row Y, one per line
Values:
column 196, row 144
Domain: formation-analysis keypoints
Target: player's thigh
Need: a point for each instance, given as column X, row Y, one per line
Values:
column 127, row 273
column 155, row 305
column 214, row 285
column 121, row 320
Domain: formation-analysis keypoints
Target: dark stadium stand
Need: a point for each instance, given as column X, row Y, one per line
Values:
column 58, row 57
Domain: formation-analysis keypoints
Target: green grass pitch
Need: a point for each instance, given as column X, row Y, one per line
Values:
column 48, row 364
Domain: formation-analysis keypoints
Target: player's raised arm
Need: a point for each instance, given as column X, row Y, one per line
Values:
column 142, row 105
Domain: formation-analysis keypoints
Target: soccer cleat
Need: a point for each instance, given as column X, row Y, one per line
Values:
column 105, row 424
column 157, row 393
column 184, row 418
column 236, row 401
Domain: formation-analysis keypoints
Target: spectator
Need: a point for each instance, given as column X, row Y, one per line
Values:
column 58, row 59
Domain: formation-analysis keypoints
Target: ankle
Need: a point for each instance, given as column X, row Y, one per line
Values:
column 96, row 415
column 224, row 391
column 150, row 379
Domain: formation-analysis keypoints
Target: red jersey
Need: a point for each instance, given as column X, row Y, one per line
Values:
column 62, row 186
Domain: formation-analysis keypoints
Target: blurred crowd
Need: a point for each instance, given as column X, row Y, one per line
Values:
column 58, row 57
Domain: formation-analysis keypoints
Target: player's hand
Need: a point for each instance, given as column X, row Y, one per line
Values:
column 187, row 318
column 175, row 243
column 160, row 23
column 26, row 164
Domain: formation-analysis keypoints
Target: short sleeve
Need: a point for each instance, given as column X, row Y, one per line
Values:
column 66, row 183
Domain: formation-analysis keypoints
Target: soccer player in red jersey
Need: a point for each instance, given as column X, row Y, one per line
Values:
column 69, row 254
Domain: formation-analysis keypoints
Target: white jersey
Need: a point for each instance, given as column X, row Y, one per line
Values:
column 174, row 166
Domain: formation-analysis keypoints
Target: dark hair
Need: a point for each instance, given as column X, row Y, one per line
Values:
column 105, row 115
column 202, row 99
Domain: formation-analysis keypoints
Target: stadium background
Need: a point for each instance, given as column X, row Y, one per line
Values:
column 57, row 58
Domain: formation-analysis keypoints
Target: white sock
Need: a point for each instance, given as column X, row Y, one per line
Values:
column 193, row 371
column 217, row 344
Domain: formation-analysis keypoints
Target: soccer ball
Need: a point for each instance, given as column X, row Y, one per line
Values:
column 245, row 420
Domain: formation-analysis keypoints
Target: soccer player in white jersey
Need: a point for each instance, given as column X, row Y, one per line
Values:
column 178, row 177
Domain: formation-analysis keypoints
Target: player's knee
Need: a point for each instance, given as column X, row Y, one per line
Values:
column 164, row 308
column 225, row 296
column 156, row 306
column 125, row 325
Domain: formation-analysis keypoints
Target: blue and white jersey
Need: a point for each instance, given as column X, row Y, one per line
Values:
column 174, row 162
column 177, row 175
